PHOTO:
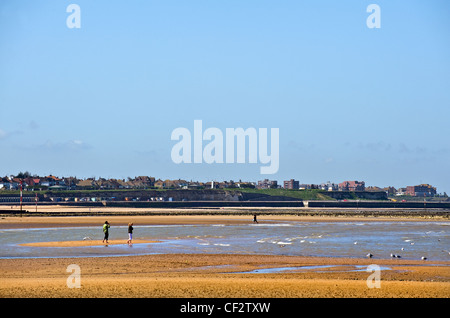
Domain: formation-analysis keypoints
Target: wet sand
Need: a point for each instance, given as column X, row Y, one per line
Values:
column 84, row 243
column 114, row 220
column 40, row 222
column 211, row 276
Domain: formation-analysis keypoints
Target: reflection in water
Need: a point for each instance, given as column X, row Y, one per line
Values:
column 316, row 269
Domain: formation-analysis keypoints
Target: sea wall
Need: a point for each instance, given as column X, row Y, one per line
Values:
column 357, row 195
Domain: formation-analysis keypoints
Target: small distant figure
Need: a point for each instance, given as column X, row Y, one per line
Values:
column 370, row 255
column 254, row 219
column 106, row 232
column 130, row 233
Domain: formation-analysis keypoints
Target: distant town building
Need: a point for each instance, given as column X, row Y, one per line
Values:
column 31, row 182
column 291, row 184
column 267, row 184
column 308, row 186
column 5, row 183
column 87, row 184
column 328, row 186
column 390, row 190
column 143, row 182
column 352, row 186
column 195, row 185
column 243, row 185
column 422, row 190
column 221, row 184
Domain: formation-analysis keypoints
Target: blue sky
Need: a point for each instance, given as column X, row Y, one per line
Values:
column 351, row 103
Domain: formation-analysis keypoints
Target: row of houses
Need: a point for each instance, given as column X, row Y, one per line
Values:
column 14, row 183
column 328, row 186
column 140, row 182
column 51, row 182
column 422, row 190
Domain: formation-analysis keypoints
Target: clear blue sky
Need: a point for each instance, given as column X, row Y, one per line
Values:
column 351, row 103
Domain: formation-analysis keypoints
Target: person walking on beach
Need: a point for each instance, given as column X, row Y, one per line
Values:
column 254, row 219
column 106, row 231
column 130, row 233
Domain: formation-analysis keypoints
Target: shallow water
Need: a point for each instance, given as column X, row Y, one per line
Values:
column 317, row 269
column 410, row 240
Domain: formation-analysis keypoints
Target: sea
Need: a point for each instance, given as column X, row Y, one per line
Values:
column 354, row 239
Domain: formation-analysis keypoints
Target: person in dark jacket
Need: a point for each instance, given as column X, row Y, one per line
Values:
column 130, row 233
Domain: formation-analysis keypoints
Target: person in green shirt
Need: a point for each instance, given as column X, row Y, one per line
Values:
column 106, row 231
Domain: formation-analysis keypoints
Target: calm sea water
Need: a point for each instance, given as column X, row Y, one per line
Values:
column 410, row 240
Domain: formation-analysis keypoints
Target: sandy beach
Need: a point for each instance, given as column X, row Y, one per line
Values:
column 210, row 275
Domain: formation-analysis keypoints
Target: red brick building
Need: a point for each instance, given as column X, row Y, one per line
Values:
column 291, row 184
column 267, row 184
column 352, row 186
column 422, row 190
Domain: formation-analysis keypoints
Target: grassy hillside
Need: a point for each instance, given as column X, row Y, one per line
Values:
column 311, row 194
column 296, row 194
